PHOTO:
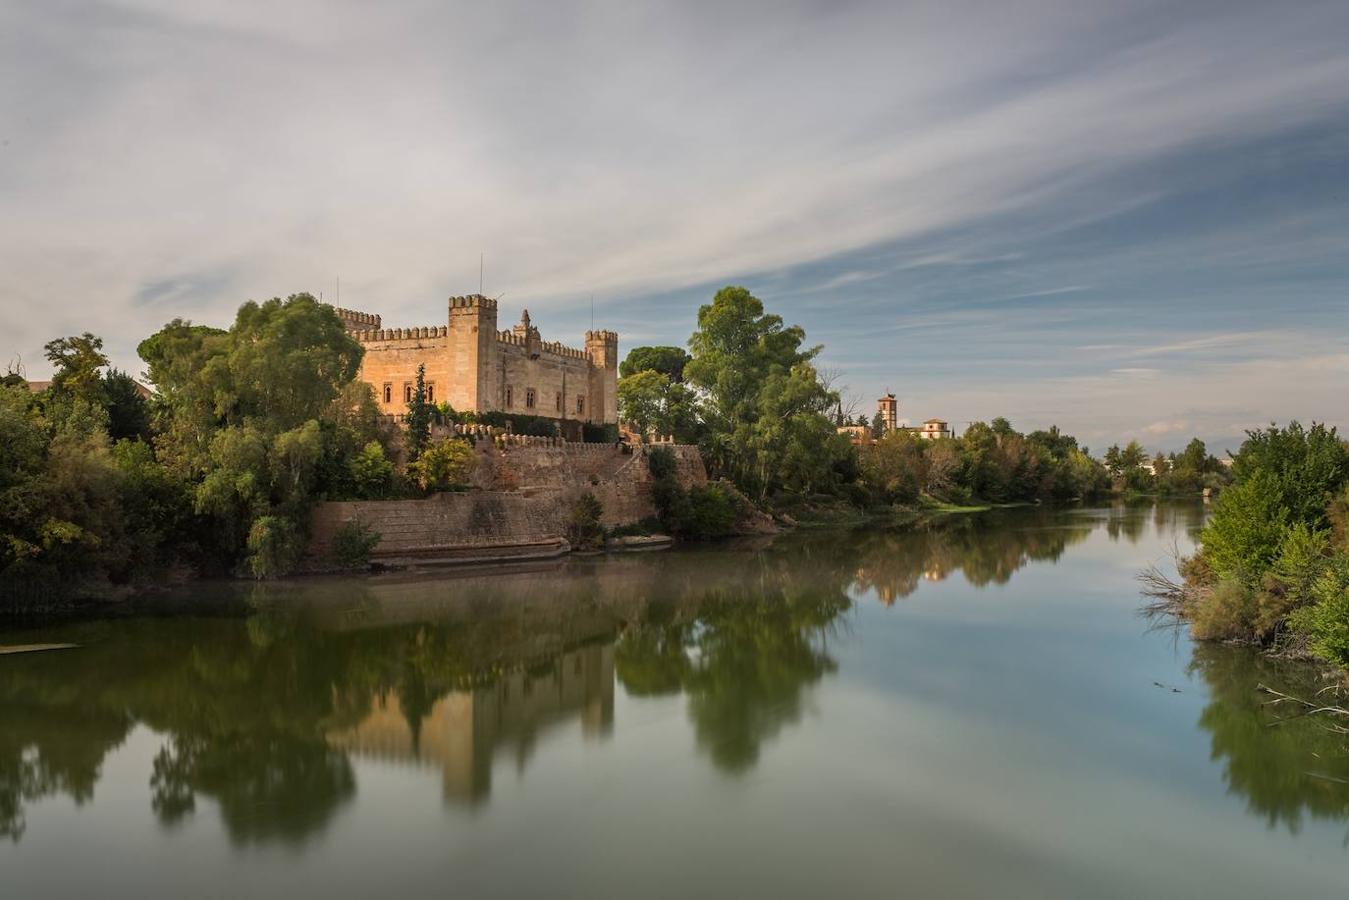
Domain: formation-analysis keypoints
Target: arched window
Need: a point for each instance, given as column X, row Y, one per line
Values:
column 559, row 401
column 529, row 398
column 430, row 392
column 510, row 395
column 580, row 405
column 407, row 392
column 388, row 392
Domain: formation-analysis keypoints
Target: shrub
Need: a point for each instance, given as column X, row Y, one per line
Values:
column 711, row 512
column 1326, row 619
column 1224, row 613
column 274, row 547
column 1248, row 524
column 371, row 472
column 593, row 433
column 443, row 465
column 584, row 530
column 353, row 542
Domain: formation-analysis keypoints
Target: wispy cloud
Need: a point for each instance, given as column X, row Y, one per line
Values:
column 1132, row 174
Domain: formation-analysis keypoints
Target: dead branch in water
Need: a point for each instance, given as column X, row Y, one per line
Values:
column 1307, row 707
column 1167, row 598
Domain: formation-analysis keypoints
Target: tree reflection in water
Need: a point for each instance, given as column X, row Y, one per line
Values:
column 1286, row 765
column 264, row 704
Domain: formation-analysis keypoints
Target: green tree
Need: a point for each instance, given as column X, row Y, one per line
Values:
column 262, row 420
column 128, row 411
column 419, row 416
column 669, row 361
column 371, row 472
column 584, row 530
column 443, row 465
column 764, row 405
column 78, row 361
column 894, row 467
column 652, row 403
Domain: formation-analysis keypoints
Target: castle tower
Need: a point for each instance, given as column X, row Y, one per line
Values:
column 473, row 335
column 887, row 412
column 602, row 348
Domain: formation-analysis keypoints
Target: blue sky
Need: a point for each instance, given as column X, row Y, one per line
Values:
column 1129, row 219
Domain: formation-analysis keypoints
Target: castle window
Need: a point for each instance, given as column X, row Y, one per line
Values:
column 407, row 392
column 510, row 395
column 388, row 392
column 430, row 393
column 580, row 405
column 529, row 398
column 559, row 401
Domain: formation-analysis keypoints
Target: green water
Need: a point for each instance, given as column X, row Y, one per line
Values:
column 972, row 710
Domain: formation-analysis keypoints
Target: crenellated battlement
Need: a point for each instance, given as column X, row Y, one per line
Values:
column 556, row 348
column 355, row 320
column 473, row 301
column 401, row 334
column 608, row 337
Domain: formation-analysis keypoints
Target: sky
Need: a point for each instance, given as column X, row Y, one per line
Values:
column 1129, row 219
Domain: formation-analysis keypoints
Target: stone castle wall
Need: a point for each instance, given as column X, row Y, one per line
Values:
column 520, row 506
column 476, row 368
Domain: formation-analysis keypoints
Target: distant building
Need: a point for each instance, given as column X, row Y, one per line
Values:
column 858, row 435
column 887, row 412
column 38, row 387
column 934, row 429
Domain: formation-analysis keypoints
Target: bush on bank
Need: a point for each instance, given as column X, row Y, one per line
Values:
column 1273, row 563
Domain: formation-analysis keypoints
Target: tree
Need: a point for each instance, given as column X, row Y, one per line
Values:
column 261, row 419
column 652, row 403
column 669, row 361
column 894, row 467
column 584, row 530
column 764, row 407
column 419, row 416
column 443, row 465
column 128, row 412
column 78, row 361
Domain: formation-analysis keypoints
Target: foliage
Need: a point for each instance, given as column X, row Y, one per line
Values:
column 599, row 433
column 1326, row 619
column 128, row 411
column 443, row 465
column 419, row 416
column 1271, row 568
column 700, row 512
column 78, row 361
column 353, row 542
column 371, row 472
column 537, row 426
column 654, row 404
column 584, row 529
column 274, row 546
column 668, row 361
column 893, row 467
column 765, row 408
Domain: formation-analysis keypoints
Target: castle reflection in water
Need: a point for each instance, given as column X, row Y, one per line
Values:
column 268, row 701
column 465, row 729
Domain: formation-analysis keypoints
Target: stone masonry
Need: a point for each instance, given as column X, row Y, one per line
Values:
column 519, row 508
column 477, row 368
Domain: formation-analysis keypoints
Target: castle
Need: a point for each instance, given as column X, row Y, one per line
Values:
column 476, row 368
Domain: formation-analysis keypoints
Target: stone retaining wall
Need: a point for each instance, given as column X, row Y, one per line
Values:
column 520, row 506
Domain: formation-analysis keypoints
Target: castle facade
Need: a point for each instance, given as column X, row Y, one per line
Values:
column 476, row 368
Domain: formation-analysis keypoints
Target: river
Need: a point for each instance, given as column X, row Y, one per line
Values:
column 973, row 709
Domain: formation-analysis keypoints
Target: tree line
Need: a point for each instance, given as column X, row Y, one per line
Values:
column 215, row 473
column 748, row 392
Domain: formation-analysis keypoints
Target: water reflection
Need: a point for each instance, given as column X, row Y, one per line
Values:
column 1287, row 766
column 266, row 706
